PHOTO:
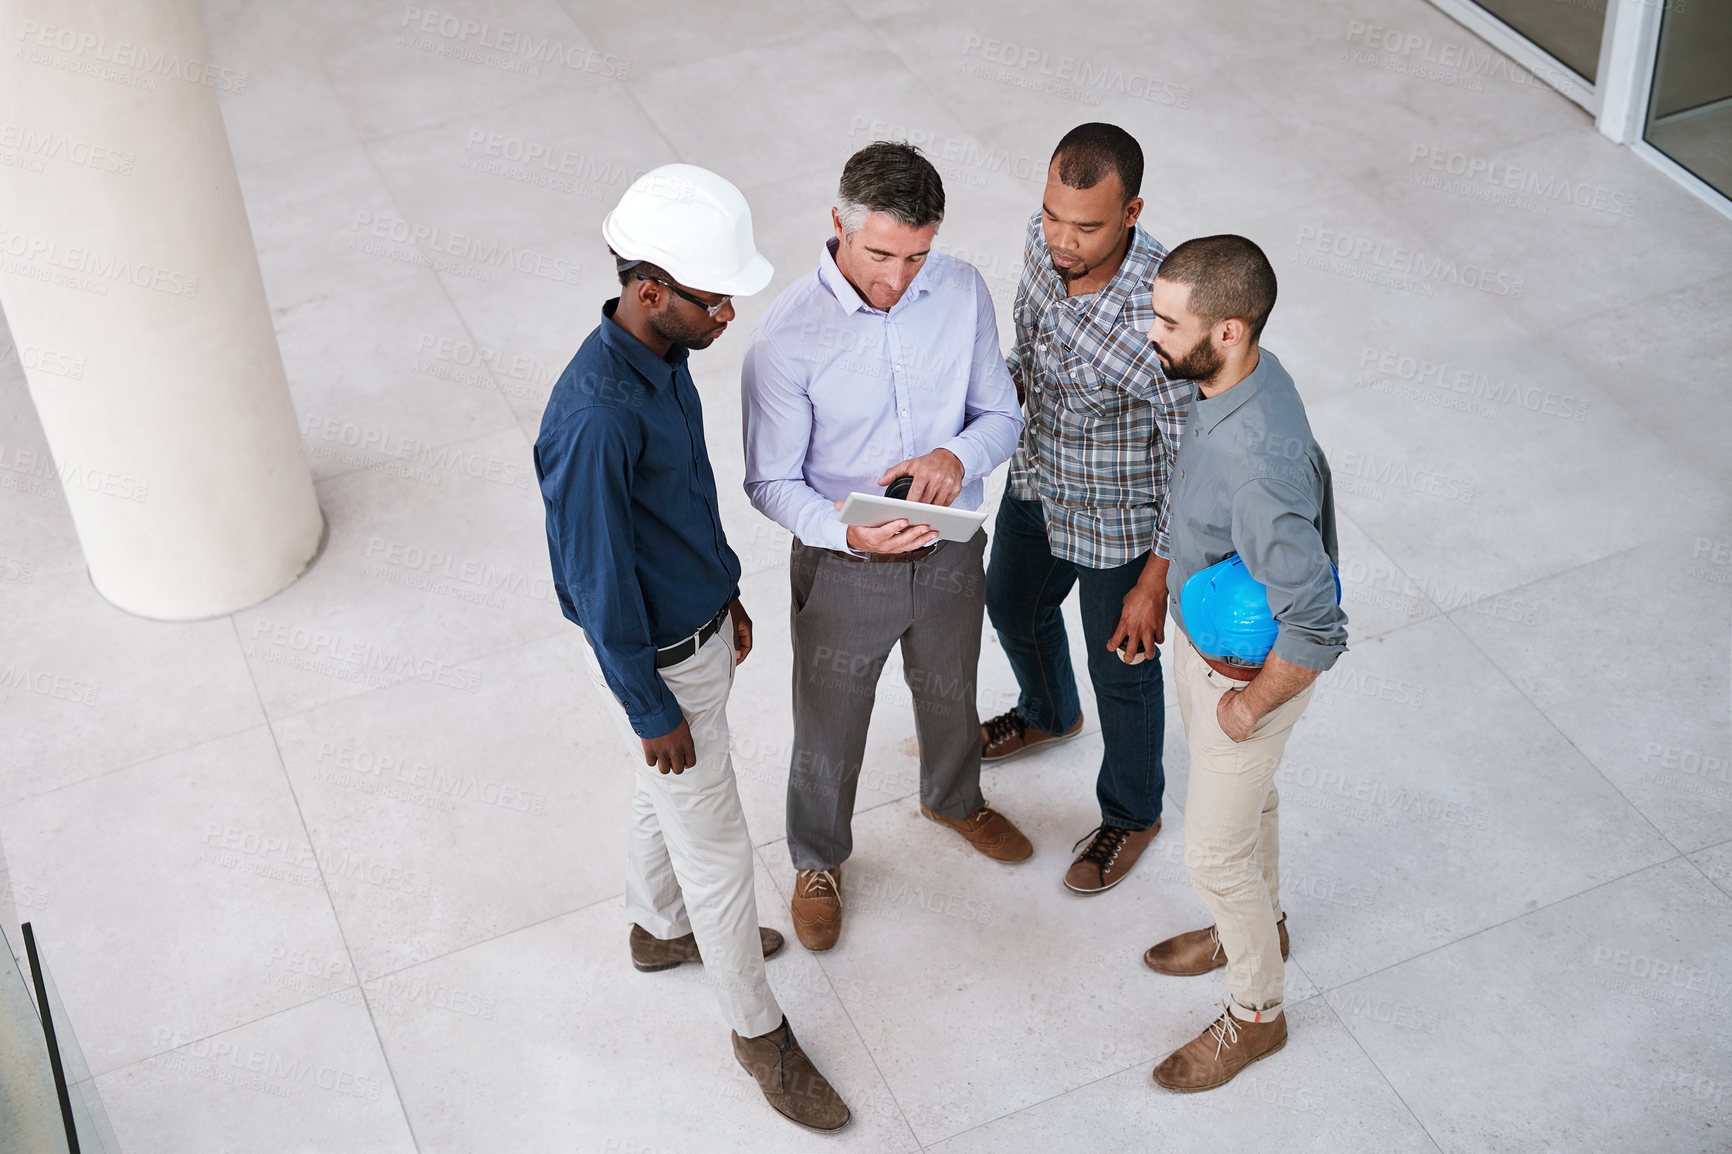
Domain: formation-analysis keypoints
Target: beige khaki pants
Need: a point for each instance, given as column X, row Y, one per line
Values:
column 689, row 858
column 1232, row 838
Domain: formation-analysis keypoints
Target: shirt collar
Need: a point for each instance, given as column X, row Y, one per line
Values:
column 1211, row 411
column 830, row 275
column 1105, row 303
column 634, row 352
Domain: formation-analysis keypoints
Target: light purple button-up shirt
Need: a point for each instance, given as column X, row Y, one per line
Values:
column 833, row 392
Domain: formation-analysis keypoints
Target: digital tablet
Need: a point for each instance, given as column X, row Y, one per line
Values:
column 871, row 509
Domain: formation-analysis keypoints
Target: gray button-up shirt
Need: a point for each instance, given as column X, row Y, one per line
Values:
column 1250, row 479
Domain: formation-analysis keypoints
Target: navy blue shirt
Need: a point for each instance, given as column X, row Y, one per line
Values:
column 633, row 528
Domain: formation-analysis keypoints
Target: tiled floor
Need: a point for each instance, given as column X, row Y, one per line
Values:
column 295, row 909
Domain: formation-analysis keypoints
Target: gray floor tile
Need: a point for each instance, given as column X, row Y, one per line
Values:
column 1494, row 1041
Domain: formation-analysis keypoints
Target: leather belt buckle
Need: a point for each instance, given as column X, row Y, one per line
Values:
column 887, row 558
column 1226, row 669
column 681, row 650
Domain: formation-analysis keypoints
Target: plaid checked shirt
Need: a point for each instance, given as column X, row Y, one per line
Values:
column 1103, row 421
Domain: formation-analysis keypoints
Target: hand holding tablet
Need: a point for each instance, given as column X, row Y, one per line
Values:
column 871, row 509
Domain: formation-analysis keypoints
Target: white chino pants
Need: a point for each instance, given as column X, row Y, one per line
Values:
column 689, row 859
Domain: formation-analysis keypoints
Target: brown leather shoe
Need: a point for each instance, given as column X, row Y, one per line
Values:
column 650, row 953
column 817, row 907
column 1005, row 736
column 1196, row 952
column 990, row 832
column 1213, row 1057
column 1111, row 853
column 791, row 1084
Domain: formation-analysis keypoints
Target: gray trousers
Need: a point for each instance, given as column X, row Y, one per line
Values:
column 846, row 617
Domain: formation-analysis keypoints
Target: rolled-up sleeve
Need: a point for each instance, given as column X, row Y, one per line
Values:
column 776, row 425
column 1275, row 532
column 585, row 471
column 992, row 420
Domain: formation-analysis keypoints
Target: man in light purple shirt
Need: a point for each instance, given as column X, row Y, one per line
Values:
column 883, row 362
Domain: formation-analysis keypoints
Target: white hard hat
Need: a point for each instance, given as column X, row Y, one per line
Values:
column 692, row 223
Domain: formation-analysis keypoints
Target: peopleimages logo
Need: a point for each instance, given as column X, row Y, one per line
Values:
column 1519, row 180
column 515, row 43
column 1418, row 55
column 91, row 47
column 1069, row 76
column 80, row 262
column 1407, row 262
column 461, row 247
column 70, row 149
column 1472, row 383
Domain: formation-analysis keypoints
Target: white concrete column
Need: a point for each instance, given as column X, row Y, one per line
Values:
column 132, row 289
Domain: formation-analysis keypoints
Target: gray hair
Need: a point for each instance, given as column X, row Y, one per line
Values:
column 893, row 178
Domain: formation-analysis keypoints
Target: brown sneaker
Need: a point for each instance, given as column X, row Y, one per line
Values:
column 1111, row 853
column 791, row 1084
column 1213, row 1057
column 990, row 832
column 817, row 907
column 1197, row 952
column 650, row 953
column 1005, row 736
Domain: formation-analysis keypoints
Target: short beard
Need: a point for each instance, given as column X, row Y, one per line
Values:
column 1074, row 272
column 1201, row 363
column 690, row 336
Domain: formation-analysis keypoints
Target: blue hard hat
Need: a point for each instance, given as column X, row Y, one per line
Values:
column 1226, row 611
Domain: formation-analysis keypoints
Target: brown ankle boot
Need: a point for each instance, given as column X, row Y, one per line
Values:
column 1111, row 852
column 817, row 907
column 1196, row 952
column 1005, row 736
column 791, row 1084
column 1213, row 1057
column 650, row 953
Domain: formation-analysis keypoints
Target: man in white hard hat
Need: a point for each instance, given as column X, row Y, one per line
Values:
column 640, row 562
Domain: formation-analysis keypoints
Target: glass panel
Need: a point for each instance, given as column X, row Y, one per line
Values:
column 1690, row 109
column 29, row 1110
column 1569, row 30
column 95, row 1135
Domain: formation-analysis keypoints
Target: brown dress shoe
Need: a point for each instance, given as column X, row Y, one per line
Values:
column 1213, row 1057
column 990, row 832
column 791, row 1084
column 1196, row 952
column 1111, row 853
column 817, row 907
column 650, row 953
column 1005, row 736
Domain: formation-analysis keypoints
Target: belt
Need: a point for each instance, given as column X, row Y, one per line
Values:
column 887, row 558
column 680, row 650
column 1236, row 672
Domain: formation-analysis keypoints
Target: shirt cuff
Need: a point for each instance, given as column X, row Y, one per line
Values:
column 835, row 536
column 969, row 454
column 660, row 723
column 1305, row 651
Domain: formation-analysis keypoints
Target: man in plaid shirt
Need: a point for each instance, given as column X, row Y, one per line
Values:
column 1082, row 504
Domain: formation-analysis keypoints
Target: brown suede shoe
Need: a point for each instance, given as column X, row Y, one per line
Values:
column 791, row 1084
column 990, row 832
column 817, row 907
column 1196, row 952
column 1111, row 853
column 650, row 953
column 1005, row 736
column 1213, row 1057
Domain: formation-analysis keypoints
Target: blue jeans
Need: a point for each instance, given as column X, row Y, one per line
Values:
column 1025, row 586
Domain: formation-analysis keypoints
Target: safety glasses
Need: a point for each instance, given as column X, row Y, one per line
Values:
column 682, row 293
